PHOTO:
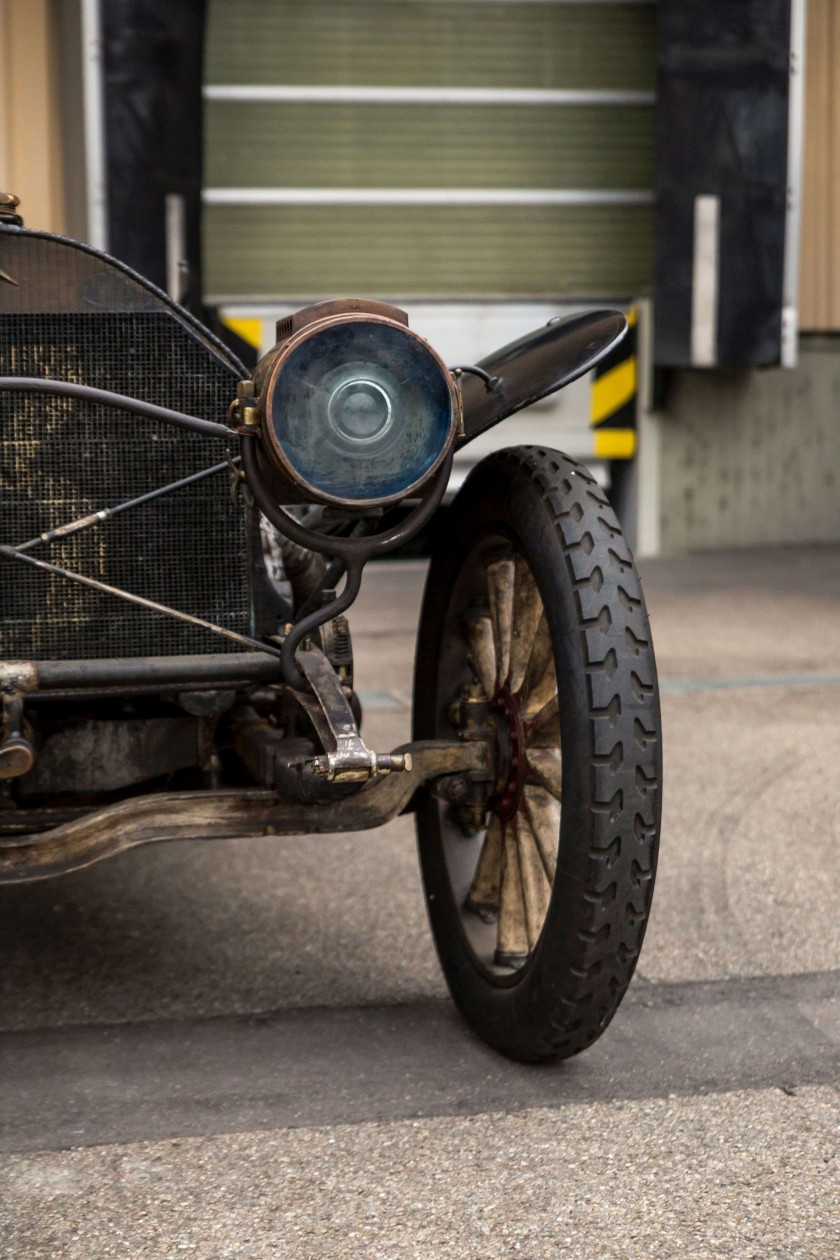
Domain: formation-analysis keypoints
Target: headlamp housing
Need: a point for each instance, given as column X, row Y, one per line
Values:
column 357, row 410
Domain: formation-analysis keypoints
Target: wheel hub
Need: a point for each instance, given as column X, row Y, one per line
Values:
column 513, row 760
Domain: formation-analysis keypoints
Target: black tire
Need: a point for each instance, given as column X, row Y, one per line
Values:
column 544, row 508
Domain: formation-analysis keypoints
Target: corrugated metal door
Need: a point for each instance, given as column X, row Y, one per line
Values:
column 428, row 149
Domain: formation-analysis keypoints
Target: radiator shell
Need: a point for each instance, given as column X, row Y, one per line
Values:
column 71, row 313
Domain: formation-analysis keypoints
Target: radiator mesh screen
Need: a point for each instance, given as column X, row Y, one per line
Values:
column 61, row 459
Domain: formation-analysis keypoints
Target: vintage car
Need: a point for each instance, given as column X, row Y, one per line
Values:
column 180, row 544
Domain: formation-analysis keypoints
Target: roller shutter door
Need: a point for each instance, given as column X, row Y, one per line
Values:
column 414, row 149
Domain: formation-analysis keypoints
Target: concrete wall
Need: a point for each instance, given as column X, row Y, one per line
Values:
column 752, row 457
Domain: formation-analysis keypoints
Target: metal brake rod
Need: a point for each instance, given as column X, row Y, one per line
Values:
column 42, row 385
column 105, row 514
column 10, row 553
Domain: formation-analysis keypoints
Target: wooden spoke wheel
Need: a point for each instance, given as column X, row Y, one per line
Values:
column 539, row 877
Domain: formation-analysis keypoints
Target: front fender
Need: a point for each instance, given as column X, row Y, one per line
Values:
column 536, row 365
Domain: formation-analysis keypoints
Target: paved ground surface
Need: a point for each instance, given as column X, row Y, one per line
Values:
column 250, row 1047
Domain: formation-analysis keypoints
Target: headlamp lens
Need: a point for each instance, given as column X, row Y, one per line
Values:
column 361, row 411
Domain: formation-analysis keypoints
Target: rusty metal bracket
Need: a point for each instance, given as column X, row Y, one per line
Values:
column 16, row 753
column 17, row 756
column 18, row 676
column 346, row 759
column 493, row 384
column 225, row 815
column 244, row 411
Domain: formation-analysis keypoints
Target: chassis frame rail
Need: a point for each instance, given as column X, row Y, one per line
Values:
column 228, row 815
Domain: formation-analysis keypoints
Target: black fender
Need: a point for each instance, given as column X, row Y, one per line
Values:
column 536, row 365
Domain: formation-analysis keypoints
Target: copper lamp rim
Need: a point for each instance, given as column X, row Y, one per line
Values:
column 274, row 449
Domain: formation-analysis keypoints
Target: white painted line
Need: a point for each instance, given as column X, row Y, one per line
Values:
column 793, row 215
column 380, row 700
column 426, row 197
column 705, row 281
column 681, row 686
column 329, row 94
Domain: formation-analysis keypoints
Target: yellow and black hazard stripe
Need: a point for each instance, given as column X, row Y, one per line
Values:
column 612, row 412
column 247, row 327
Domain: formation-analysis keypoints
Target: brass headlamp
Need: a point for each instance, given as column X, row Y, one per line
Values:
column 357, row 410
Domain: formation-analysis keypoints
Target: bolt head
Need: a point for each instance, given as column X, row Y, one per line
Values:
column 17, row 757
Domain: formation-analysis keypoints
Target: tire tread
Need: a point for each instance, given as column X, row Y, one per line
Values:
column 613, row 912
column 573, row 989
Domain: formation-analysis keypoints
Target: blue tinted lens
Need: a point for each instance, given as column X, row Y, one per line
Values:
column 362, row 411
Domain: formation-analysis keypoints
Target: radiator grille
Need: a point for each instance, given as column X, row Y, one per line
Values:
column 61, row 459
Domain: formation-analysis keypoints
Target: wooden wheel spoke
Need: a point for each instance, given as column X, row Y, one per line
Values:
column 483, row 897
column 540, row 681
column 500, row 586
column 546, row 769
column 527, row 611
column 512, row 939
column 544, row 816
column 536, row 888
column 544, row 731
column 482, row 653
column 512, row 657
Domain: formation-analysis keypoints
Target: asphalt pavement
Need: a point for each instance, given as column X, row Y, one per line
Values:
column 245, row 1049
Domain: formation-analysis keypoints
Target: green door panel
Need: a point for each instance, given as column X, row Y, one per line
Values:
column 296, row 145
column 454, row 43
column 304, row 252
